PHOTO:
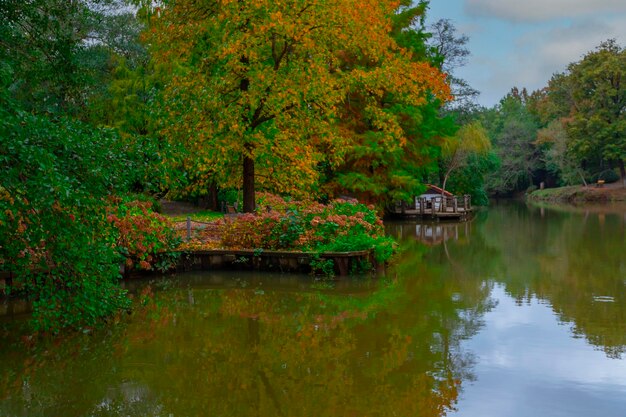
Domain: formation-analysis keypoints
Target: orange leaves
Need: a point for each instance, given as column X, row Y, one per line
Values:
column 270, row 77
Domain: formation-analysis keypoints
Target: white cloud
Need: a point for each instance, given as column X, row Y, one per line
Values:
column 540, row 10
column 539, row 53
column 553, row 49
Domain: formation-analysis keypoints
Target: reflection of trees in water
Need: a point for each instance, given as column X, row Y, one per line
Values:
column 389, row 350
column 461, row 300
column 72, row 376
column 574, row 260
column 368, row 350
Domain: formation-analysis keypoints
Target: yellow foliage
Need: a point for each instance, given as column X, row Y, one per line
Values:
column 265, row 79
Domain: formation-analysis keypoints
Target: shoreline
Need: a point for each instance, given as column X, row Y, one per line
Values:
column 580, row 195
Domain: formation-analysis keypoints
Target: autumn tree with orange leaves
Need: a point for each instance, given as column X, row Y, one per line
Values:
column 257, row 87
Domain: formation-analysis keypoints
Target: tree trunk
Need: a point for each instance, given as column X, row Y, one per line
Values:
column 441, row 170
column 248, row 162
column 443, row 184
column 622, row 172
column 248, row 184
column 212, row 203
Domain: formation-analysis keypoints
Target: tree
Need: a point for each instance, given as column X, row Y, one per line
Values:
column 265, row 80
column 594, row 92
column 513, row 131
column 378, row 167
column 450, row 52
column 58, row 174
column 558, row 158
column 59, row 52
column 54, row 236
column 471, row 139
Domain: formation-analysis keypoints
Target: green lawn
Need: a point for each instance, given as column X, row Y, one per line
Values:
column 201, row 216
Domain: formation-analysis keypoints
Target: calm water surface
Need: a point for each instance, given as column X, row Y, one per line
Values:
column 521, row 312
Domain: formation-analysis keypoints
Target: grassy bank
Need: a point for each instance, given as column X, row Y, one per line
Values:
column 581, row 194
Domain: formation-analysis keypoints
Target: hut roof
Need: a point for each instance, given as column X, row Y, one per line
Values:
column 433, row 189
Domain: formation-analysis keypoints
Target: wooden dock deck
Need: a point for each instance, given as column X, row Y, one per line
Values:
column 441, row 207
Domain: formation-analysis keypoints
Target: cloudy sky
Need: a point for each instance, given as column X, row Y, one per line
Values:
column 523, row 42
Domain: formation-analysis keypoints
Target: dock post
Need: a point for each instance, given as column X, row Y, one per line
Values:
column 455, row 205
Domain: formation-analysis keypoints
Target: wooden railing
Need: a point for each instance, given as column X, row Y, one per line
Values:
column 443, row 204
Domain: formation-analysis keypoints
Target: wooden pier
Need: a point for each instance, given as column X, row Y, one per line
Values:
column 440, row 207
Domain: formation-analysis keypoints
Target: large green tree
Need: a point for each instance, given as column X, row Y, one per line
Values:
column 378, row 168
column 59, row 52
column 60, row 176
column 593, row 93
column 513, row 131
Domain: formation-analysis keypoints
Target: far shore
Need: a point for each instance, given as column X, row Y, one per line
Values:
column 580, row 194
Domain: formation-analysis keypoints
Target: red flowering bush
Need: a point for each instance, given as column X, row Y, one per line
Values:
column 250, row 231
column 144, row 237
column 340, row 226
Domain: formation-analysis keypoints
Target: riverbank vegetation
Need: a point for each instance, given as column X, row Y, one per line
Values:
column 107, row 106
column 578, row 194
column 572, row 132
column 308, row 226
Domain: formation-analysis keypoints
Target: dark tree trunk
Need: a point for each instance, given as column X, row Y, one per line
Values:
column 622, row 172
column 248, row 162
column 212, row 203
column 248, row 184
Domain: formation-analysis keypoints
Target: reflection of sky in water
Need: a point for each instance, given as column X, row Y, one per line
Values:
column 530, row 365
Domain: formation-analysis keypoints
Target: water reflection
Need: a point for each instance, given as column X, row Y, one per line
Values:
column 252, row 349
column 430, row 233
column 520, row 312
column 570, row 260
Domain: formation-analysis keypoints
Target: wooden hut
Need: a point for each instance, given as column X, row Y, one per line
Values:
column 434, row 203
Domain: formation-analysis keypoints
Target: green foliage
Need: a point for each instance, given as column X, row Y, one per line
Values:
column 593, row 93
column 56, row 231
column 230, row 196
column 325, row 266
column 55, row 68
column 338, row 227
column 608, row 176
column 470, row 178
column 469, row 143
column 376, row 172
column 289, row 229
column 513, row 131
column 53, row 181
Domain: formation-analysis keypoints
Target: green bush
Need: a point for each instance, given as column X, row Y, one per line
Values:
column 609, row 176
column 56, row 179
column 309, row 226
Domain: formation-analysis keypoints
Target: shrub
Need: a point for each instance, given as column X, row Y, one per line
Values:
column 56, row 177
column 340, row 226
column 143, row 237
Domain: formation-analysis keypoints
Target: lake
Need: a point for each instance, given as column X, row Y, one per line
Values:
column 520, row 312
